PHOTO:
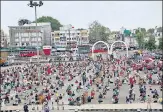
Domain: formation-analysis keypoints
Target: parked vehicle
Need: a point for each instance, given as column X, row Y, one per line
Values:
column 34, row 59
column 29, row 53
column 11, row 56
column 3, row 62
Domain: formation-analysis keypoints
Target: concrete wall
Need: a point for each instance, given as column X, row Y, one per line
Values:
column 4, row 54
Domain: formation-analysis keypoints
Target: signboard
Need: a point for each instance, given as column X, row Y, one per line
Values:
column 127, row 32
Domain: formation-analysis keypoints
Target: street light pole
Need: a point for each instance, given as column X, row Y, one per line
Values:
column 36, row 34
column 35, row 4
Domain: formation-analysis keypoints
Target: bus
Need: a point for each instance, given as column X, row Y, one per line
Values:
column 28, row 53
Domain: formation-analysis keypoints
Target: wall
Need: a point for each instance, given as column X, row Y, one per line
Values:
column 4, row 54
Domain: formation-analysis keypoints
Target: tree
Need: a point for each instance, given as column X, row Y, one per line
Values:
column 104, row 33
column 159, row 29
column 55, row 24
column 143, row 30
column 23, row 21
column 151, row 30
column 97, row 32
column 140, row 38
column 150, row 45
column 160, row 46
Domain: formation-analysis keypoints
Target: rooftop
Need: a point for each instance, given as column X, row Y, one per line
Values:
column 34, row 24
column 38, row 24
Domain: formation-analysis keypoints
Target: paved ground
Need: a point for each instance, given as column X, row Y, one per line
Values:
column 108, row 98
column 92, row 107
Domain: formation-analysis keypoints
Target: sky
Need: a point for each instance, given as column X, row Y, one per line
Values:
column 112, row 14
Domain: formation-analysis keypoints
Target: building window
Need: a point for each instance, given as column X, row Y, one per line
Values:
column 39, row 34
column 16, row 34
column 33, row 34
column 17, row 40
column 25, row 34
column 68, row 38
column 27, row 39
column 23, row 39
column 39, row 39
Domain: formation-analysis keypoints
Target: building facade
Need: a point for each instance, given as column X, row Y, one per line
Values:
column 26, row 35
column 4, row 42
column 68, row 38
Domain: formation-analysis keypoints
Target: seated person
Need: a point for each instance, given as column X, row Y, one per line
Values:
column 89, row 99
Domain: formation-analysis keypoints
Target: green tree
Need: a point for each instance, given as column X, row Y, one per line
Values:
column 151, row 30
column 150, row 44
column 55, row 24
column 160, row 46
column 140, row 38
column 143, row 30
column 97, row 32
column 104, row 34
column 159, row 29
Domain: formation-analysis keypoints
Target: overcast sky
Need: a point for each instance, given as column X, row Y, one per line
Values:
column 129, row 14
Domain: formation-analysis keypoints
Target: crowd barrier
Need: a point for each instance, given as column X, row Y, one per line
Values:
column 96, row 110
column 119, row 110
column 89, row 108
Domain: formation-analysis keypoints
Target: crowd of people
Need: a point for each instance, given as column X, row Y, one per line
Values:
column 77, row 83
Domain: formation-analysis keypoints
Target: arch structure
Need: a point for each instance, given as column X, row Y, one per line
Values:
column 111, row 49
column 97, row 43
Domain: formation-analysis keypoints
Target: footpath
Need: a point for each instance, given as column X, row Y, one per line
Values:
column 87, row 107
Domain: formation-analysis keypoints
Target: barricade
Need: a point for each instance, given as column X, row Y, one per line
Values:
column 10, row 110
column 119, row 110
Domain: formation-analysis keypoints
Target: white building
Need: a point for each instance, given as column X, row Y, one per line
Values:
column 26, row 35
column 4, row 39
column 68, row 38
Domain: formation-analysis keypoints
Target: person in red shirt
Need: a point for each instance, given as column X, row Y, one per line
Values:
column 49, row 97
column 131, row 81
column 91, row 82
column 92, row 94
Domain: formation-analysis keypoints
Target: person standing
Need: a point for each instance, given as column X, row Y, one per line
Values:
column 149, row 100
column 26, row 108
